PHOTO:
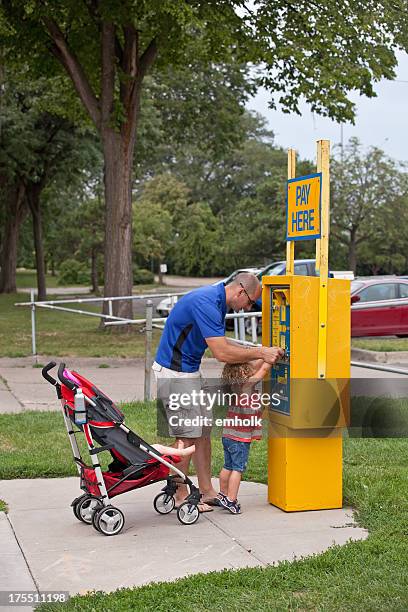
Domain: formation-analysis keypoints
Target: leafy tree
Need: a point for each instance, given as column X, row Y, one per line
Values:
column 191, row 119
column 91, row 225
column 169, row 192
column 153, row 229
column 157, row 214
column 199, row 242
column 37, row 149
column 387, row 251
column 368, row 196
column 107, row 47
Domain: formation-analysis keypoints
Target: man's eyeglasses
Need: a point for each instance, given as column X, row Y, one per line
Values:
column 250, row 302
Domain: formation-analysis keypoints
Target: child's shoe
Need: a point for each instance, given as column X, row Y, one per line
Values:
column 233, row 506
column 221, row 498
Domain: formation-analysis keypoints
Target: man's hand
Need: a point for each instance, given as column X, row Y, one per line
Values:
column 270, row 354
column 229, row 352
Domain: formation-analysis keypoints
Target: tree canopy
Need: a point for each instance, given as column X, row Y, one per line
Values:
column 102, row 51
column 318, row 52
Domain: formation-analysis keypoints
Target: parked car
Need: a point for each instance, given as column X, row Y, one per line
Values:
column 163, row 308
column 379, row 307
column 303, row 267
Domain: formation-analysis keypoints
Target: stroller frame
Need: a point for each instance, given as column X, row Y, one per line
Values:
column 97, row 509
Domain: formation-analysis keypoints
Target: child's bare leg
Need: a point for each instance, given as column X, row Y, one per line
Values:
column 183, row 466
column 179, row 451
column 233, row 484
column 224, row 480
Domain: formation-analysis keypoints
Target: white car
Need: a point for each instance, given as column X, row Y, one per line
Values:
column 163, row 308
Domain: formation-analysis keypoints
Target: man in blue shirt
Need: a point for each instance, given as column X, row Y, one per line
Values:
column 196, row 322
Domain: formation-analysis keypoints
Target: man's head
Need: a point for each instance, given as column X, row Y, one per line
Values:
column 243, row 292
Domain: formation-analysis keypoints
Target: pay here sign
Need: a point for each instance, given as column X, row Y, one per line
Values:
column 303, row 207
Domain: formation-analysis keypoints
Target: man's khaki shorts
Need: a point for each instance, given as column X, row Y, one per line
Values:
column 178, row 395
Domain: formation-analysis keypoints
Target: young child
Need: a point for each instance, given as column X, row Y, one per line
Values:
column 237, row 437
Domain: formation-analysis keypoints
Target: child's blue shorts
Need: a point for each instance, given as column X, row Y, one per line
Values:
column 235, row 454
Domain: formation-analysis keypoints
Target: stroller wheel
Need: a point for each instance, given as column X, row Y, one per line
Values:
column 188, row 513
column 86, row 507
column 109, row 520
column 94, row 516
column 164, row 503
column 75, row 503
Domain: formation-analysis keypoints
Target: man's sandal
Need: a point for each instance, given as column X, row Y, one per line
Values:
column 204, row 507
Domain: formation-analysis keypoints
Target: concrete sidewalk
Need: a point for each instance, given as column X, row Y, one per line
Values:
column 45, row 547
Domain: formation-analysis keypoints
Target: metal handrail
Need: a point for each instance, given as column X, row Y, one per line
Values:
column 148, row 321
column 143, row 296
column 231, row 315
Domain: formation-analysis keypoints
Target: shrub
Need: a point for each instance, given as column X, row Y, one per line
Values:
column 142, row 276
column 72, row 272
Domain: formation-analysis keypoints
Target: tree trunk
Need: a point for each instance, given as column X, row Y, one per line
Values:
column 33, row 196
column 118, row 158
column 160, row 274
column 94, row 272
column 352, row 256
column 16, row 209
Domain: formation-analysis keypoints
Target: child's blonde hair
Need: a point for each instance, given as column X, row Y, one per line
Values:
column 236, row 373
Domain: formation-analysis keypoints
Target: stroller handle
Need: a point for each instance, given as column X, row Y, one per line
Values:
column 45, row 371
column 63, row 379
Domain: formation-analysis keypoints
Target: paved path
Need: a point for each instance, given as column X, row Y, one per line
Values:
column 168, row 281
column 44, row 547
column 189, row 281
column 23, row 388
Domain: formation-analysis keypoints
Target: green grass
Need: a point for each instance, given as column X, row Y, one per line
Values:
column 381, row 344
column 27, row 279
column 3, row 506
column 35, row 445
column 369, row 575
column 63, row 334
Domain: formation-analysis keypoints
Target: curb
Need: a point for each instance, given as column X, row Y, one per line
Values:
column 378, row 356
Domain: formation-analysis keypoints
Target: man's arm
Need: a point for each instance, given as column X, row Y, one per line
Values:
column 228, row 352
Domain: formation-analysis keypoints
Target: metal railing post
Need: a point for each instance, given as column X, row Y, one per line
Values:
column 236, row 336
column 148, row 350
column 241, row 325
column 33, row 330
column 110, row 308
column 254, row 330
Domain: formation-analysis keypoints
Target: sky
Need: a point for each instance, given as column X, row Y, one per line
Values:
column 380, row 121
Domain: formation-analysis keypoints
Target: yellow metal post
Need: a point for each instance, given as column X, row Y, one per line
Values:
column 319, row 169
column 290, row 245
column 323, row 154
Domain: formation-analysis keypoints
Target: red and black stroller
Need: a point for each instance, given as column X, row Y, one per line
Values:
column 135, row 463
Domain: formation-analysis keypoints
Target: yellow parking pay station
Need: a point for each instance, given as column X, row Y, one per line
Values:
column 309, row 317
